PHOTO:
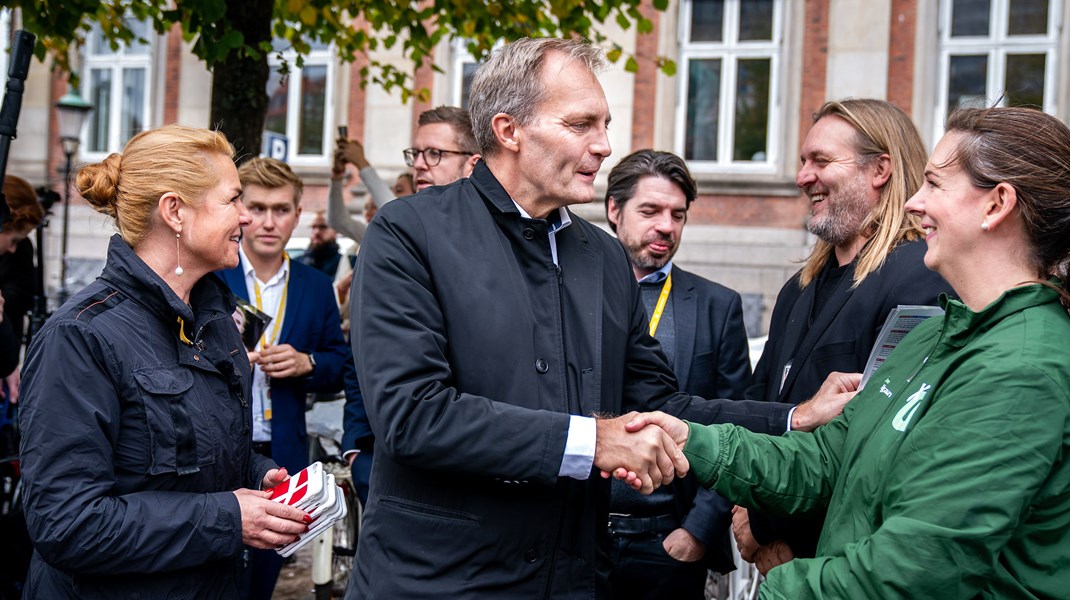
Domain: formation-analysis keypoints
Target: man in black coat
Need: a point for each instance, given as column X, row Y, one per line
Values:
column 664, row 543
column 860, row 162
column 490, row 325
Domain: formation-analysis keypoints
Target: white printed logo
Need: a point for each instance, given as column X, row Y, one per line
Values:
column 902, row 418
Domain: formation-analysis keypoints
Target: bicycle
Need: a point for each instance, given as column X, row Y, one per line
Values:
column 333, row 551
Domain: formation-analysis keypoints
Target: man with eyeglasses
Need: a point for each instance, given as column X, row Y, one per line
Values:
column 443, row 149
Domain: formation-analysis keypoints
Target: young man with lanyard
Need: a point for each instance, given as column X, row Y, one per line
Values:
column 664, row 543
column 302, row 349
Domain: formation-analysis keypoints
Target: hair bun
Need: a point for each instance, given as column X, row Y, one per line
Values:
column 98, row 183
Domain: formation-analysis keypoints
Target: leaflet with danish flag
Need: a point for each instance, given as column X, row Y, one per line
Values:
column 315, row 492
column 303, row 489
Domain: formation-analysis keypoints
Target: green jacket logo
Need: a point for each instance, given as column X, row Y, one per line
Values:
column 902, row 418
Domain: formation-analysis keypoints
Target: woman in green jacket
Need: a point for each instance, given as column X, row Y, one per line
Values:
column 948, row 476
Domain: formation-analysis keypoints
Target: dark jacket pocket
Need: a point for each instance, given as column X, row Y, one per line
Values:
column 175, row 421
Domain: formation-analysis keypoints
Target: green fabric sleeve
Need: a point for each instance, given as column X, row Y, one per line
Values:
column 703, row 452
column 782, row 475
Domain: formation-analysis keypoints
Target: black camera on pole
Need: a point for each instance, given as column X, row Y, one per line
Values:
column 21, row 52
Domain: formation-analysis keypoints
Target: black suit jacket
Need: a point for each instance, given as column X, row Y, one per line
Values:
column 839, row 338
column 712, row 361
column 311, row 325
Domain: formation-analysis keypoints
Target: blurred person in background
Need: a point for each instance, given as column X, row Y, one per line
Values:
column 16, row 281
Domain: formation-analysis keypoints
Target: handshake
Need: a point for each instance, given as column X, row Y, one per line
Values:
column 645, row 450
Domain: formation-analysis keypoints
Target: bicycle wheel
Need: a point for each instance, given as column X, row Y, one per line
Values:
column 345, row 538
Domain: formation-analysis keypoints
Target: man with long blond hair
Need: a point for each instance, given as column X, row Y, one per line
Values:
column 860, row 162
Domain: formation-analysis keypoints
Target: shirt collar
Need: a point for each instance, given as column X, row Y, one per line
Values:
column 556, row 222
column 658, row 276
column 247, row 268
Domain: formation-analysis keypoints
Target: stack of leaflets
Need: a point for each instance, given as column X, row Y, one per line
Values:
column 901, row 320
column 314, row 492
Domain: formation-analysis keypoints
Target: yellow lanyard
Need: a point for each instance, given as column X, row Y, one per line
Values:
column 264, row 341
column 662, row 299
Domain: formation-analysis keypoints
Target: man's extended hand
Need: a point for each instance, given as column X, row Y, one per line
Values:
column 683, row 546
column 645, row 457
column 675, row 428
column 827, row 403
column 772, row 555
column 282, row 360
column 748, row 546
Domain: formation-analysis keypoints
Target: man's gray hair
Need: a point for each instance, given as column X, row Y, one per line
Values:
column 509, row 82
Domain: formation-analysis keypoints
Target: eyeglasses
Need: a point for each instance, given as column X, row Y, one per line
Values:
column 432, row 156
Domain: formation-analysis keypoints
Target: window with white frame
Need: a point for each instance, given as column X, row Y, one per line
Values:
column 117, row 83
column 997, row 50
column 462, row 71
column 729, row 75
column 298, row 102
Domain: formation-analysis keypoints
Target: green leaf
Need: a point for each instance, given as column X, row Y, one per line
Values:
column 632, row 66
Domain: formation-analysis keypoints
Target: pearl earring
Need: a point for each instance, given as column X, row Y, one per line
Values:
column 984, row 225
column 178, row 255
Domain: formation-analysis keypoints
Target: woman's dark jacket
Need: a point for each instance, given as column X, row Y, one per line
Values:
column 135, row 431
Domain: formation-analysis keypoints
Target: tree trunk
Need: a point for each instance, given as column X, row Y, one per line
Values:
column 239, row 84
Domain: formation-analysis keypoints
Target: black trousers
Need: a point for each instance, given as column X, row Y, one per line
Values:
column 642, row 570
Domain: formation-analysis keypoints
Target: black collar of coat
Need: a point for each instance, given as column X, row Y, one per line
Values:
column 498, row 199
column 129, row 274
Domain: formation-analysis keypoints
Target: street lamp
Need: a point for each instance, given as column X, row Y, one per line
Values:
column 71, row 112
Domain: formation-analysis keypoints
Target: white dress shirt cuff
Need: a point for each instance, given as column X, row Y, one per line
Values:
column 791, row 412
column 579, row 448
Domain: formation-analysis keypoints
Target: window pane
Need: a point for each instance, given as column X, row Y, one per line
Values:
column 967, row 83
column 756, row 20
column 278, row 96
column 133, row 115
column 100, row 117
column 1025, row 80
column 95, row 41
column 970, row 17
column 1028, row 17
column 707, row 20
column 468, row 72
column 752, row 110
column 313, row 107
column 141, row 30
column 703, row 104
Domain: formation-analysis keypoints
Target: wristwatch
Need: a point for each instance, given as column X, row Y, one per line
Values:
column 312, row 361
